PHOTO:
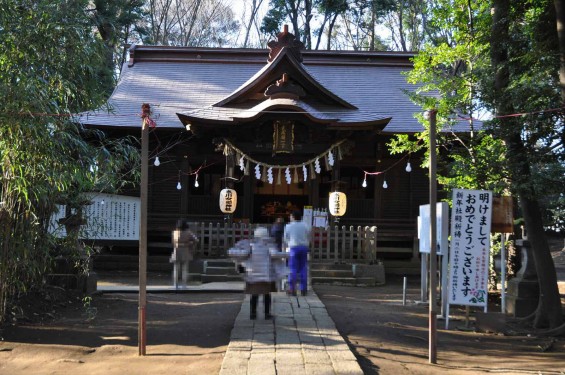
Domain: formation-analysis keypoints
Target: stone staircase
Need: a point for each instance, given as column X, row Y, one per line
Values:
column 219, row 270
column 200, row 270
column 223, row 270
column 347, row 274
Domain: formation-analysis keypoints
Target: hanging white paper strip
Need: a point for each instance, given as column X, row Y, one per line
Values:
column 317, row 166
column 242, row 163
column 270, row 175
column 257, row 171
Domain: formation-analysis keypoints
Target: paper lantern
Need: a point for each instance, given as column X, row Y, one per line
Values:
column 337, row 203
column 228, row 201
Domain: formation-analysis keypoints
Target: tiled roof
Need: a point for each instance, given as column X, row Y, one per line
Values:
column 372, row 82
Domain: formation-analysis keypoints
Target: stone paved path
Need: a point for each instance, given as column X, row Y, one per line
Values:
column 300, row 339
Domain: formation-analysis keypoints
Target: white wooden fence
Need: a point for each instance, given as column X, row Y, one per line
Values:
column 338, row 244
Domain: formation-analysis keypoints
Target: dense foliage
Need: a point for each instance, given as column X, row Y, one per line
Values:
column 51, row 67
column 469, row 67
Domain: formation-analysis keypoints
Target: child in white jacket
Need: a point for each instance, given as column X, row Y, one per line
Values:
column 262, row 262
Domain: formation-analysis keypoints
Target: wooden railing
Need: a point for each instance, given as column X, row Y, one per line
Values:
column 344, row 244
column 336, row 244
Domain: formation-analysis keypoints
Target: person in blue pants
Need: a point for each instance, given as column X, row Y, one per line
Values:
column 297, row 237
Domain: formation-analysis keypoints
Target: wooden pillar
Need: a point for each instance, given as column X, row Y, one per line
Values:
column 142, row 272
column 230, row 167
column 185, row 191
column 377, row 183
column 377, row 201
column 314, row 192
column 432, row 352
column 248, row 182
column 336, row 175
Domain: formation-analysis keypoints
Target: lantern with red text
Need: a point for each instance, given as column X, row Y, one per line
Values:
column 337, row 203
column 228, row 201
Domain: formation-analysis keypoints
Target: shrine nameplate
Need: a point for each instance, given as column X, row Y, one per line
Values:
column 283, row 136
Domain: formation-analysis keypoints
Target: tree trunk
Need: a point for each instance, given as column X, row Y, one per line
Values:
column 321, row 32
column 254, row 8
column 192, row 22
column 308, row 17
column 560, row 22
column 292, row 11
column 401, row 27
column 549, row 311
column 330, row 31
column 372, row 30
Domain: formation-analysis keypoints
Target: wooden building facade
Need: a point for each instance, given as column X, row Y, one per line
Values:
column 282, row 127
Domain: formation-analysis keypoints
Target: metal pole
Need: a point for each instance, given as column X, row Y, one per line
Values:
column 503, row 273
column 433, row 242
column 146, row 111
column 404, row 292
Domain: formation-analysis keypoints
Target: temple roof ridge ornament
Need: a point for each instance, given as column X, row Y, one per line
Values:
column 284, row 88
column 286, row 40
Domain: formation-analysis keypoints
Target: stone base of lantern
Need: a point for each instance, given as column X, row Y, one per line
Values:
column 522, row 294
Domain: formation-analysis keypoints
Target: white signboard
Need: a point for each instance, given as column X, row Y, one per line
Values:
column 307, row 215
column 442, row 222
column 320, row 219
column 109, row 217
column 470, row 247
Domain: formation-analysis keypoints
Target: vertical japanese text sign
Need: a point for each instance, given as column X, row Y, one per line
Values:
column 470, row 247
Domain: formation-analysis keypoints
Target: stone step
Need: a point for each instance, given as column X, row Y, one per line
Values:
column 367, row 281
column 221, row 278
column 332, row 273
column 219, row 263
column 221, row 270
column 334, row 280
column 197, row 277
column 330, row 266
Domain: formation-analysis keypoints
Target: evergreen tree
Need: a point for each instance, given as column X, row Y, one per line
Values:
column 51, row 67
column 506, row 63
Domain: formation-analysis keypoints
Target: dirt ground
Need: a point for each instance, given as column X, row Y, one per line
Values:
column 189, row 333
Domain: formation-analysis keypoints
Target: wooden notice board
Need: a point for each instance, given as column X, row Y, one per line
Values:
column 502, row 215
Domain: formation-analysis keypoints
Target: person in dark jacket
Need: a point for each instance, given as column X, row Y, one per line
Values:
column 277, row 231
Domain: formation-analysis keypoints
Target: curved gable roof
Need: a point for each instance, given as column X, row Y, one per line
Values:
column 284, row 62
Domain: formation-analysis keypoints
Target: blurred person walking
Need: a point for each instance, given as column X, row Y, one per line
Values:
column 263, row 264
column 297, row 238
column 184, row 242
column 277, row 231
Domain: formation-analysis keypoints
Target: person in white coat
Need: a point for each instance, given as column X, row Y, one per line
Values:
column 262, row 262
